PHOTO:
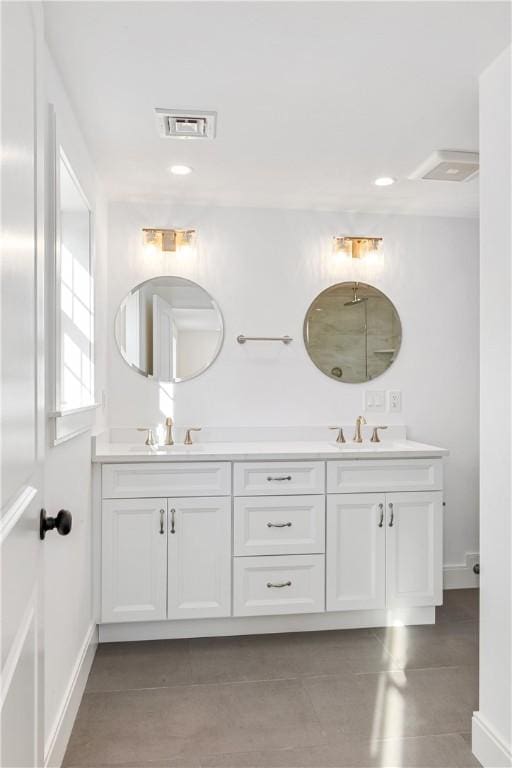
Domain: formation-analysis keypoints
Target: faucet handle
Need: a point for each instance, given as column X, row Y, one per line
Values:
column 340, row 437
column 169, row 422
column 188, row 437
column 150, row 438
column 375, row 435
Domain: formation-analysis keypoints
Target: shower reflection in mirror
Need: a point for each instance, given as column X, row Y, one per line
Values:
column 352, row 332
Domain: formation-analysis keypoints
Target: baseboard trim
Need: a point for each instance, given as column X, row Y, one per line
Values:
column 250, row 625
column 487, row 747
column 57, row 742
column 461, row 576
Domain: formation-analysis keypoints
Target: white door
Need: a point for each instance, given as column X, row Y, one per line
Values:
column 199, row 564
column 356, row 551
column 414, row 543
column 133, row 560
column 164, row 342
column 22, row 386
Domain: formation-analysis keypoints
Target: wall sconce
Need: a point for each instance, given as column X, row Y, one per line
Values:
column 169, row 240
column 357, row 247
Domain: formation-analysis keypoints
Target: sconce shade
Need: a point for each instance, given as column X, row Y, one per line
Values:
column 357, row 247
column 168, row 240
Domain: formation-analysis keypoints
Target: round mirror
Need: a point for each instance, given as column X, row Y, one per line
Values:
column 169, row 329
column 352, row 332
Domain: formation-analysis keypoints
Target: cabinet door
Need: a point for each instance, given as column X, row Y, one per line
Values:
column 134, row 560
column 199, row 564
column 356, row 557
column 414, row 531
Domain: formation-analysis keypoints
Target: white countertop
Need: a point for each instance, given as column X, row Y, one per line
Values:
column 104, row 452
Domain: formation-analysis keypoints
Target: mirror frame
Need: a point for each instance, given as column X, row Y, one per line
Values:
column 305, row 330
column 147, row 375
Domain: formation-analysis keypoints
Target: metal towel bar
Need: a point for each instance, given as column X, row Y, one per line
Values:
column 284, row 339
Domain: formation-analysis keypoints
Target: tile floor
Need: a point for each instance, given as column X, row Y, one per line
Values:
column 387, row 697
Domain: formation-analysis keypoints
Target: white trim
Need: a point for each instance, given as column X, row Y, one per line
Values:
column 71, row 425
column 487, row 746
column 71, row 411
column 58, row 737
column 461, row 576
column 249, row 625
column 15, row 511
column 17, row 645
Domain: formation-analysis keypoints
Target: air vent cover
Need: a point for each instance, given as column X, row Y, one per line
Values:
column 185, row 124
column 447, row 165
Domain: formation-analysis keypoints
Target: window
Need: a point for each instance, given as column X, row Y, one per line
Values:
column 74, row 295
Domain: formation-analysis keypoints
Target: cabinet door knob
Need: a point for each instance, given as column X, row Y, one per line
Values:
column 392, row 517
column 173, row 520
column 381, row 519
column 162, row 513
column 62, row 523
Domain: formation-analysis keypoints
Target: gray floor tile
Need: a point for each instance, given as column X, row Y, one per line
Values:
column 267, row 657
column 164, row 723
column 179, row 762
column 445, row 751
column 458, row 605
column 153, row 664
column 395, row 704
column 439, row 645
column 338, row 698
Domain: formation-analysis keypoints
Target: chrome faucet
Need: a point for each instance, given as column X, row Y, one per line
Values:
column 169, row 424
column 358, row 438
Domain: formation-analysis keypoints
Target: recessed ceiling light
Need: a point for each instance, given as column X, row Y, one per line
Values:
column 384, row 181
column 180, row 170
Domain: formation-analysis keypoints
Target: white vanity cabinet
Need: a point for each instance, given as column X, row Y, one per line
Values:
column 356, row 552
column 414, row 549
column 383, row 550
column 167, row 557
column 233, row 546
column 134, row 560
column 283, row 523
column 199, row 561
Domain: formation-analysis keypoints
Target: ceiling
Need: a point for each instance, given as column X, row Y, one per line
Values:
column 314, row 99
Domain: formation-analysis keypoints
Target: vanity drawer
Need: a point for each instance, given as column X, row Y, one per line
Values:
column 279, row 525
column 280, row 584
column 259, row 478
column 360, row 476
column 145, row 480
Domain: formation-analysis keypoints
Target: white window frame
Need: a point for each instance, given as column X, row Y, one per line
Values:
column 67, row 421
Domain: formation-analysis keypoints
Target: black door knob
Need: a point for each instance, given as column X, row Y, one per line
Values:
column 62, row 523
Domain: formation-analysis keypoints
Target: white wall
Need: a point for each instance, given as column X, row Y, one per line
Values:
column 264, row 267
column 492, row 725
column 68, row 577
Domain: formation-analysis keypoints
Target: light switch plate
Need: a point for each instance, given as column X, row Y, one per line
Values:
column 374, row 401
column 395, row 400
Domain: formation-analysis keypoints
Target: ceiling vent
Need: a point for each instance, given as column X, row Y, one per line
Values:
column 447, row 165
column 185, row 124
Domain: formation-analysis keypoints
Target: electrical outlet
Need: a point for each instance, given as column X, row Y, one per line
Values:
column 395, row 400
column 374, row 401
